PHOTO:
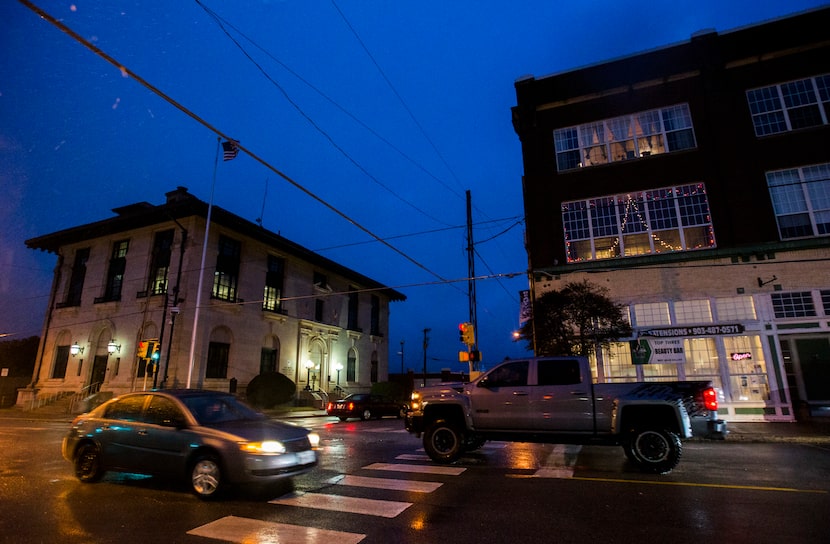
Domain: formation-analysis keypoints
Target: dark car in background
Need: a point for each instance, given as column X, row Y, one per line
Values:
column 207, row 438
column 365, row 406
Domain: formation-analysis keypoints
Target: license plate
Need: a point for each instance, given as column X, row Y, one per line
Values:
column 306, row 457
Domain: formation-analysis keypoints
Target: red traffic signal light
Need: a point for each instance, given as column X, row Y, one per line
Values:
column 466, row 334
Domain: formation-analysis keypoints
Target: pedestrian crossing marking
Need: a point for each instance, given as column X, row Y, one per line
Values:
column 412, row 457
column 559, row 464
column 420, row 469
column 389, row 483
column 245, row 530
column 338, row 503
column 385, row 430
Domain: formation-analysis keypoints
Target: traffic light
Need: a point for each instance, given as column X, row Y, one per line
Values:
column 154, row 354
column 466, row 334
column 142, row 349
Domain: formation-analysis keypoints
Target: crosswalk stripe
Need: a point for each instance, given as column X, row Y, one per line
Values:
column 389, row 483
column 559, row 463
column 420, row 469
column 242, row 530
column 338, row 503
column 411, row 457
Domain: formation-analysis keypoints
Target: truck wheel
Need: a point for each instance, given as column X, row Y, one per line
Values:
column 654, row 450
column 443, row 442
column 473, row 443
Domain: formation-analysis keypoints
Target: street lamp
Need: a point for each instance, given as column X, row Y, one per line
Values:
column 308, row 365
column 338, row 367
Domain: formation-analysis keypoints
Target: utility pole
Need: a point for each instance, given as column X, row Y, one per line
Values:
column 471, row 282
column 426, row 343
column 401, row 357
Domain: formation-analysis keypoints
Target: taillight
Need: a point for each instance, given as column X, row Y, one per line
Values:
column 351, row 406
column 329, row 406
column 710, row 399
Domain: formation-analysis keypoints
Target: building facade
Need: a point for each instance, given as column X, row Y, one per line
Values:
column 693, row 182
column 216, row 298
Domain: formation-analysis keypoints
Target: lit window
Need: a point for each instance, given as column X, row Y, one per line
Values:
column 642, row 223
column 626, row 137
column 692, row 311
column 735, row 308
column 652, row 314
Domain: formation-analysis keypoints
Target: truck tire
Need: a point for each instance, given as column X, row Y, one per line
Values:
column 443, row 441
column 654, row 450
column 473, row 442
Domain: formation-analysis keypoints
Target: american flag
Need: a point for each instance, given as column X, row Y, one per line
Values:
column 231, row 150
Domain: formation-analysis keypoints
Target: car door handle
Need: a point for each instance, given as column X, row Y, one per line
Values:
column 519, row 393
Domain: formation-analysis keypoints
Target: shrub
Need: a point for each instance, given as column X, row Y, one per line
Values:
column 270, row 389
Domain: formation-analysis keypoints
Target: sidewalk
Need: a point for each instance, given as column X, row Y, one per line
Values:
column 815, row 430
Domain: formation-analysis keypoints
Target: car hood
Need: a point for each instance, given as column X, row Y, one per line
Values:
column 257, row 430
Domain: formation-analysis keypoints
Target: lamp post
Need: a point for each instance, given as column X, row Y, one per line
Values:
column 308, row 366
column 338, row 367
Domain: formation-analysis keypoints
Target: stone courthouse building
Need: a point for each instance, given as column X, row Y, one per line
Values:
column 128, row 287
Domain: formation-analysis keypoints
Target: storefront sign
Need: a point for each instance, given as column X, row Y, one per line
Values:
column 645, row 351
column 743, row 356
column 706, row 330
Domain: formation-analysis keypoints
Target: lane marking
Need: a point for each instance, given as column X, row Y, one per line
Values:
column 718, row 486
column 389, row 483
column 339, row 503
column 242, row 530
column 420, row 469
column 687, row 484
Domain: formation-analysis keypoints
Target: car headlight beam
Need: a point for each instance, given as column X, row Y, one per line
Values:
column 266, row 446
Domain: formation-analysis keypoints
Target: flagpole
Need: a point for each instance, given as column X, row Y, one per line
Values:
column 202, row 270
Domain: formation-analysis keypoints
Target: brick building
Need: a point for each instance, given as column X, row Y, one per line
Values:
column 693, row 181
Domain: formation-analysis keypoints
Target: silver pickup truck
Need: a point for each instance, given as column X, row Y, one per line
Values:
column 554, row 400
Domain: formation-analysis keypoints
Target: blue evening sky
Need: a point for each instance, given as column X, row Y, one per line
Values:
column 386, row 110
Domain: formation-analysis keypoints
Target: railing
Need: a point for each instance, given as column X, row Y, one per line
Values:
column 45, row 400
column 86, row 391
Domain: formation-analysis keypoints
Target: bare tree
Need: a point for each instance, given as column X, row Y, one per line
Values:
column 577, row 320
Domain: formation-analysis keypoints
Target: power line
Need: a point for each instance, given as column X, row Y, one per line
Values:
column 204, row 123
column 311, row 121
column 288, row 69
column 433, row 231
column 400, row 98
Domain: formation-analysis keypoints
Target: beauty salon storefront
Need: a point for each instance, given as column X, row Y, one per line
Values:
column 739, row 361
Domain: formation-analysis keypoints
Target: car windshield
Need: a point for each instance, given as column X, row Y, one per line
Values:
column 213, row 409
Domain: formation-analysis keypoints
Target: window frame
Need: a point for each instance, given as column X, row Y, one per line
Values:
column 632, row 136
column 773, row 108
column 601, row 227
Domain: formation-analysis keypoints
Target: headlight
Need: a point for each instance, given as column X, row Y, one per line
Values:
column 416, row 401
column 314, row 439
column 266, row 446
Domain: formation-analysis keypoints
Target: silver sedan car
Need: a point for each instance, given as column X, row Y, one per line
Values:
column 206, row 437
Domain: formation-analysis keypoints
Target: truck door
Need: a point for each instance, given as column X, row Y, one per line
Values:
column 561, row 398
column 501, row 398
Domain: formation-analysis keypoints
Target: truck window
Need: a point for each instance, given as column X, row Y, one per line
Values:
column 559, row 372
column 508, row 375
